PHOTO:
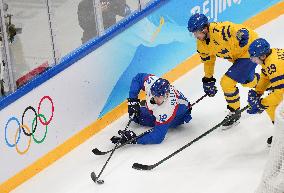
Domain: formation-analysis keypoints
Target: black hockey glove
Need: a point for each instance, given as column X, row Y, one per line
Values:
column 209, row 86
column 125, row 135
column 133, row 107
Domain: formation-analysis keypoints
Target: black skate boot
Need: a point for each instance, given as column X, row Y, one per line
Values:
column 232, row 119
column 269, row 141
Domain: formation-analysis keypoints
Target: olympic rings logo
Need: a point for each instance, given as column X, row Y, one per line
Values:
column 26, row 130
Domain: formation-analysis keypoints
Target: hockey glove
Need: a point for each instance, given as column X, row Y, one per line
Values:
column 209, row 86
column 243, row 37
column 253, row 97
column 133, row 107
column 125, row 135
column 254, row 101
column 115, row 139
column 258, row 108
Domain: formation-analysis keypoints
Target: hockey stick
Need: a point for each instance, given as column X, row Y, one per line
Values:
column 198, row 100
column 96, row 151
column 93, row 175
column 139, row 166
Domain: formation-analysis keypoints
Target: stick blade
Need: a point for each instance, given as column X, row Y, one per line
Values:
column 139, row 166
column 96, row 151
column 94, row 177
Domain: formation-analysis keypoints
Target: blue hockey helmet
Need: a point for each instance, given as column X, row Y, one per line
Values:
column 197, row 22
column 160, row 87
column 259, row 47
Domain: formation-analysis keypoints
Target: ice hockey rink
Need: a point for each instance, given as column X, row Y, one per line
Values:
column 230, row 161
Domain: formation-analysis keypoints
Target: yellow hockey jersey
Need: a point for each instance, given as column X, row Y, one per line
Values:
column 224, row 43
column 272, row 76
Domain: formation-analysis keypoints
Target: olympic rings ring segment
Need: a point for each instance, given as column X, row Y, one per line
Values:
column 19, row 125
column 52, row 110
column 35, row 140
column 26, row 130
column 33, row 129
column 29, row 143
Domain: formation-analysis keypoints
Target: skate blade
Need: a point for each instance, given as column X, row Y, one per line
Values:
column 224, row 128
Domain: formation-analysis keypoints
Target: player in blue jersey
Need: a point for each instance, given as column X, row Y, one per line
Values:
column 165, row 107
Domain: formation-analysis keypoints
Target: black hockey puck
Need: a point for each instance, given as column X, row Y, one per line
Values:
column 100, row 181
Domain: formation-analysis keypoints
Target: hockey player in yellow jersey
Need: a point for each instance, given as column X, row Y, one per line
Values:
column 229, row 41
column 271, row 78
